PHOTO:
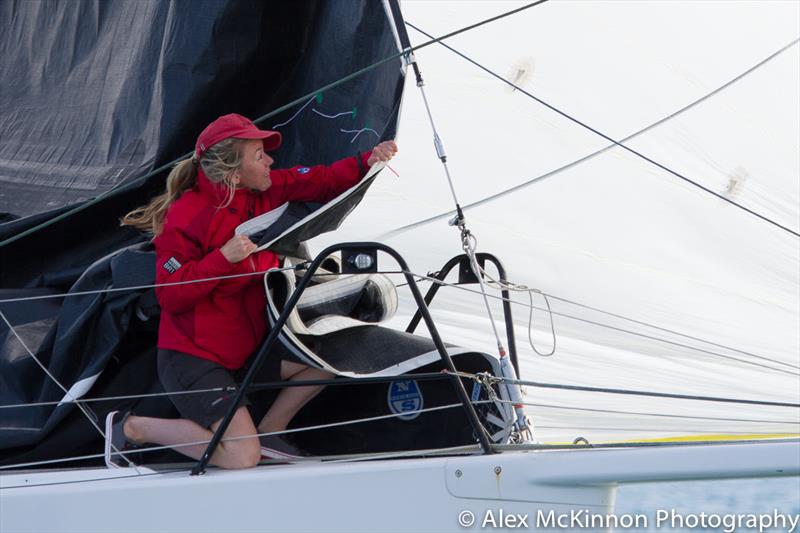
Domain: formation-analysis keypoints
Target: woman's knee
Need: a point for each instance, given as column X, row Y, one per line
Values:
column 240, row 447
column 244, row 453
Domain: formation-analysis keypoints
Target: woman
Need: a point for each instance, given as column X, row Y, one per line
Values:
column 209, row 329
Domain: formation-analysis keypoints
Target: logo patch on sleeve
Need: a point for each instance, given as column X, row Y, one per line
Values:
column 172, row 265
column 303, row 170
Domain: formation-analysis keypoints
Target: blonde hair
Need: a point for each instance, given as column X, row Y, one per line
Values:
column 219, row 163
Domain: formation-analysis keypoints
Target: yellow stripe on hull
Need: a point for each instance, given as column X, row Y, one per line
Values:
column 694, row 438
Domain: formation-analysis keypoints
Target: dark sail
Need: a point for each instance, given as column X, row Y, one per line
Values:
column 96, row 95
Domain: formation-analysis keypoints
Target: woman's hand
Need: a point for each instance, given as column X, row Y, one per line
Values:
column 239, row 247
column 383, row 152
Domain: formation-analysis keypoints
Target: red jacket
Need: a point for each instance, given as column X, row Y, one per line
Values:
column 224, row 320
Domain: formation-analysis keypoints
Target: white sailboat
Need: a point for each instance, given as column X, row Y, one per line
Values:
column 652, row 284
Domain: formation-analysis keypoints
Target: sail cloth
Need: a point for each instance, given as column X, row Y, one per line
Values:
column 613, row 231
column 283, row 229
column 98, row 94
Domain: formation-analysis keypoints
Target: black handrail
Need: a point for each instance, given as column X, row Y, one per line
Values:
column 281, row 321
column 463, row 259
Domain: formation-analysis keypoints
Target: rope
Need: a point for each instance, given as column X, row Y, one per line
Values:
column 576, row 162
column 600, row 324
column 624, row 147
column 136, row 182
column 509, row 286
column 468, row 243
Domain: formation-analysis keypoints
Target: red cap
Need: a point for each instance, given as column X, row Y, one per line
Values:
column 237, row 126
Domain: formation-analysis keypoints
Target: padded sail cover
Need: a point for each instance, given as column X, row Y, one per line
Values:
column 335, row 327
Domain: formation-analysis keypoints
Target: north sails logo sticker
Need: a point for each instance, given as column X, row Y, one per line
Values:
column 172, row 265
column 303, row 170
column 405, row 399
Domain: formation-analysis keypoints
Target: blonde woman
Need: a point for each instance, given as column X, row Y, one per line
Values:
column 208, row 330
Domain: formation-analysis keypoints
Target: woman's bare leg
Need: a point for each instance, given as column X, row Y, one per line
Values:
column 239, row 453
column 291, row 399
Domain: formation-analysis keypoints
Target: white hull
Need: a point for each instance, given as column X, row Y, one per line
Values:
column 380, row 495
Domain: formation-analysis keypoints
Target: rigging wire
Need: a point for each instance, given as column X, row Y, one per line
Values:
column 619, row 143
column 586, row 158
column 577, row 162
column 467, row 239
column 138, row 181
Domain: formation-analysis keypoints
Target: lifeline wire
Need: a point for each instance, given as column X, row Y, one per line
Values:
column 619, row 143
column 443, row 283
column 336, row 424
column 600, row 324
column 500, row 379
column 131, row 184
column 315, row 382
column 368, row 419
column 552, row 328
column 664, row 415
column 577, row 162
column 654, row 394
column 66, row 392
column 228, row 439
column 743, row 352
column 621, row 317
column 152, row 286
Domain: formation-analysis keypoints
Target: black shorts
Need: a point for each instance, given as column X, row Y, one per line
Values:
column 180, row 372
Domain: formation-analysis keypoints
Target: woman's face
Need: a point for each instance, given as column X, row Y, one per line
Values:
column 253, row 172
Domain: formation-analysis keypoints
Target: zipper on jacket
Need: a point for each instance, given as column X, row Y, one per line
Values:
column 250, row 214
